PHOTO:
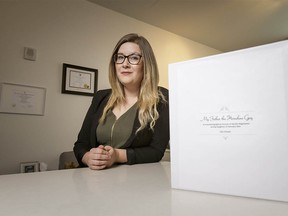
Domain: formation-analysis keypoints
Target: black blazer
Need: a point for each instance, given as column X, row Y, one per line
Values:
column 146, row 146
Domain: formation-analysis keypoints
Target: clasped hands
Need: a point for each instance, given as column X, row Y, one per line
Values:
column 100, row 158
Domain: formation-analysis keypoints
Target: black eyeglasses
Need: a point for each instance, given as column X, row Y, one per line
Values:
column 133, row 59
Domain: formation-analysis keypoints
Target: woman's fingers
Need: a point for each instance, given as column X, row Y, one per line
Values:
column 99, row 154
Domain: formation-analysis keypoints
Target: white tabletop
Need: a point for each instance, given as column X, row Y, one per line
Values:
column 136, row 190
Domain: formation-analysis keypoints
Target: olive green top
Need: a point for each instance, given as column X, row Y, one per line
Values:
column 115, row 132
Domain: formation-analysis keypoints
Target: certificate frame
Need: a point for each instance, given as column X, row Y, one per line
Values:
column 29, row 167
column 22, row 99
column 79, row 80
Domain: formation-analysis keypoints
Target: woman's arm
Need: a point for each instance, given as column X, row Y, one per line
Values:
column 87, row 136
column 158, row 139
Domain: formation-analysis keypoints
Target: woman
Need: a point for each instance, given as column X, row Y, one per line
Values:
column 128, row 123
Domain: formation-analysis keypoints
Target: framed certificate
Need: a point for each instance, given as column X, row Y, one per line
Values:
column 22, row 99
column 79, row 80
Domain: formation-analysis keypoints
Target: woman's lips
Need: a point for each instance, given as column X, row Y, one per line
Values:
column 125, row 73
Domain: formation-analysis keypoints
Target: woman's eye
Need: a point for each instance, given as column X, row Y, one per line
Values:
column 135, row 58
column 119, row 57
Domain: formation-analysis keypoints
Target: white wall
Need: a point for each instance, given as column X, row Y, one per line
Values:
column 65, row 31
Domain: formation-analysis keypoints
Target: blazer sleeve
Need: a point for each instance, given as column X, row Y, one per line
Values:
column 87, row 136
column 160, row 136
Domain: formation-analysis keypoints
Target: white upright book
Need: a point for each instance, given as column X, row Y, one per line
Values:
column 229, row 123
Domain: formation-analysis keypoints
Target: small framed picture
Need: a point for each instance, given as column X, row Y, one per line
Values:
column 79, row 80
column 28, row 167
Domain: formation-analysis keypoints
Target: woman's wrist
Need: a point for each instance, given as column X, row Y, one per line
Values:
column 120, row 155
column 84, row 158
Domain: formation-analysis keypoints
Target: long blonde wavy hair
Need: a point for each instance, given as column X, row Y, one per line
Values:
column 149, row 94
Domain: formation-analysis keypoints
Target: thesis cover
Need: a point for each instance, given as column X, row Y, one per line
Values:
column 228, row 122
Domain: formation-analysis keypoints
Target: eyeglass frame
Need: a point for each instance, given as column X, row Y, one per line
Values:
column 128, row 56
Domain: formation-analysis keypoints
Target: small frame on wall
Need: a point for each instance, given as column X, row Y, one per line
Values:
column 79, row 80
column 28, row 167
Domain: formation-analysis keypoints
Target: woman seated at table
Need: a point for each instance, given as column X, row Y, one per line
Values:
column 128, row 123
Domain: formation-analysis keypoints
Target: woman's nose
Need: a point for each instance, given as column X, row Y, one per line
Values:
column 126, row 63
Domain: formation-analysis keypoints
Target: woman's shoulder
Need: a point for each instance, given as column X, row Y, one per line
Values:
column 101, row 94
column 164, row 91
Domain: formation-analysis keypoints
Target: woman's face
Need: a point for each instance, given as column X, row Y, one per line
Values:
column 130, row 75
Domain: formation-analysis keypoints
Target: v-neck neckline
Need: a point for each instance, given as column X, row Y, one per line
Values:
column 116, row 119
